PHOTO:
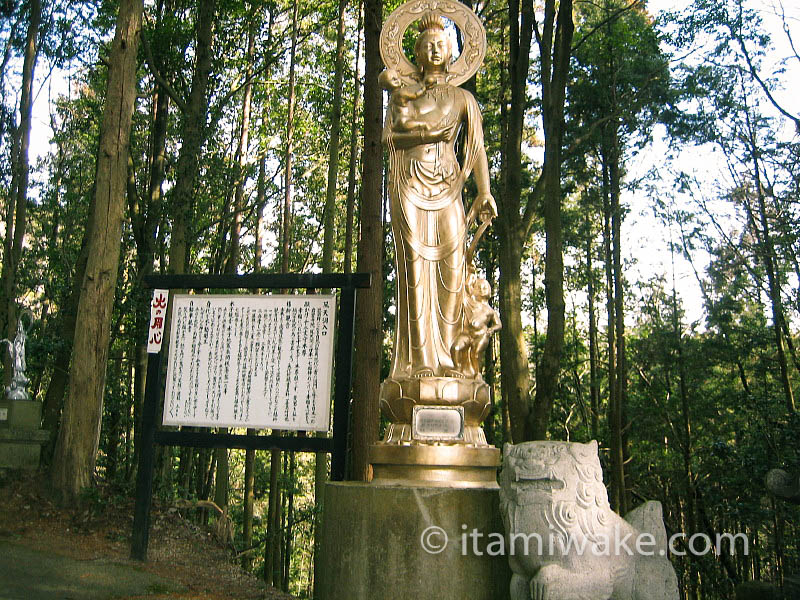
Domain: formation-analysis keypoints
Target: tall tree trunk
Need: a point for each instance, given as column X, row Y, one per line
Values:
column 129, row 420
column 489, row 366
column 328, row 238
column 280, row 550
column 249, row 502
column 769, row 260
column 288, row 545
column 222, row 478
column 503, row 101
column 619, row 450
column 185, row 466
column 287, row 168
column 145, row 220
column 555, row 48
column 273, row 566
column 511, row 230
column 351, row 174
column 369, row 308
column 261, row 204
column 113, row 433
column 144, row 227
column 17, row 209
column 272, row 544
column 57, row 388
column 686, row 442
column 333, row 145
column 250, row 455
column 594, row 386
column 193, row 137
column 514, row 378
column 221, row 491
column 232, row 263
column 611, row 335
column 76, row 448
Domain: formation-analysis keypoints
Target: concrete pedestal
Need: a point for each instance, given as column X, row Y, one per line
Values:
column 373, row 540
column 20, row 437
column 452, row 465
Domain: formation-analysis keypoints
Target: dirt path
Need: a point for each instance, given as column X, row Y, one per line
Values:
column 51, row 553
column 27, row 574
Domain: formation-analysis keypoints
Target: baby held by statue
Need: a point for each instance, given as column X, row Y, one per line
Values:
column 400, row 113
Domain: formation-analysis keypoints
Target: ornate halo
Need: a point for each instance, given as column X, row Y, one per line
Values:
column 472, row 31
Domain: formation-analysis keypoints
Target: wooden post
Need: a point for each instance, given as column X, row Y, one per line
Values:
column 343, row 384
column 144, row 475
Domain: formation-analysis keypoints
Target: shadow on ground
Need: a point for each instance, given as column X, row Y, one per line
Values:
column 27, row 574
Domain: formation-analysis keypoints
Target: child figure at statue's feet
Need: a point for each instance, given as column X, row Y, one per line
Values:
column 481, row 322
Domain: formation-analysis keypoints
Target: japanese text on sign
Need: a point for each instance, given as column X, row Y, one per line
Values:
column 250, row 361
column 158, row 313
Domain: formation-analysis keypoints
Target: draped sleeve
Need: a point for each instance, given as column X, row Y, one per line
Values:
column 474, row 134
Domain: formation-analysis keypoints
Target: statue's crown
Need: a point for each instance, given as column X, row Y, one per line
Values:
column 430, row 20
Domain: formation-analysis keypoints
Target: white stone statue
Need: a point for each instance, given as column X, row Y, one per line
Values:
column 16, row 350
column 563, row 540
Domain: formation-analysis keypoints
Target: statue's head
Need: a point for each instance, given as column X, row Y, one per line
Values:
column 550, row 471
column 479, row 288
column 433, row 48
column 389, row 79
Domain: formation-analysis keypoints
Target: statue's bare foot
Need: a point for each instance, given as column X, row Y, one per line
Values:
column 423, row 372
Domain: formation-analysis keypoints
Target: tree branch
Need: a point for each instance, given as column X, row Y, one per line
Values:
column 587, row 134
column 534, row 199
column 754, row 74
column 611, row 17
column 165, row 85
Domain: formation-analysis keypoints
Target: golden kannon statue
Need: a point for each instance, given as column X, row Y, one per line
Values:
column 443, row 319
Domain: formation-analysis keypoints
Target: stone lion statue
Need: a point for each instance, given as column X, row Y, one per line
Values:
column 563, row 540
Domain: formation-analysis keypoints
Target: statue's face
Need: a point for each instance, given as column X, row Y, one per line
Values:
column 394, row 80
column 433, row 50
column 484, row 290
column 390, row 79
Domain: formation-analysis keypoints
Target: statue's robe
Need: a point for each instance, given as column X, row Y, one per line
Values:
column 428, row 223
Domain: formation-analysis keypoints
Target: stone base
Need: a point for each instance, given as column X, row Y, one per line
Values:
column 20, row 437
column 24, row 414
column 399, row 397
column 452, row 465
column 372, row 543
column 401, row 433
column 20, row 448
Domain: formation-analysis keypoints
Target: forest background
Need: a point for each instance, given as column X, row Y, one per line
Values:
column 644, row 262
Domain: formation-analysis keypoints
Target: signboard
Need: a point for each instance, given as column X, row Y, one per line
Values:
column 158, row 314
column 250, row 361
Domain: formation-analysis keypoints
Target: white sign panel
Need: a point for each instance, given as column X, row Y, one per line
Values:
column 438, row 423
column 158, row 314
column 250, row 361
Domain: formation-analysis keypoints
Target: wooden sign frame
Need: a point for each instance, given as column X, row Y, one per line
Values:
column 336, row 445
